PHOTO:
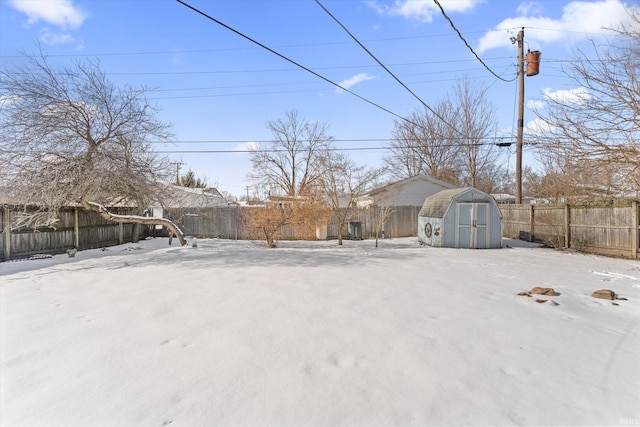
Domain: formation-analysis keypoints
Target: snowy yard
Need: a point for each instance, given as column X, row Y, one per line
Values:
column 230, row 333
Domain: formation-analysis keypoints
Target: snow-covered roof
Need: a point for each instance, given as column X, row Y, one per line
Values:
column 187, row 197
column 436, row 205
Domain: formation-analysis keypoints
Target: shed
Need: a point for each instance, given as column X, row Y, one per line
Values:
column 460, row 218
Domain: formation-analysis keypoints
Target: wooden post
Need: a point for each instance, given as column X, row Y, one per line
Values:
column 531, row 222
column 635, row 233
column 7, row 234
column 120, row 233
column 520, row 130
column 76, row 229
column 567, row 226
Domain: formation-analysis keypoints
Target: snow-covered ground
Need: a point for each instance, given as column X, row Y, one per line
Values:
column 231, row 333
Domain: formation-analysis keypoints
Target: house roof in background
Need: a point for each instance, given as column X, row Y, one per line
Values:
column 419, row 177
column 187, row 197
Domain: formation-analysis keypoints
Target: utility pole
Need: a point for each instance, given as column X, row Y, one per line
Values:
column 520, row 130
column 247, row 188
column 533, row 68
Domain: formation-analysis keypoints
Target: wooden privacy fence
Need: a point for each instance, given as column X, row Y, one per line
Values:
column 226, row 222
column 76, row 228
column 402, row 221
column 605, row 228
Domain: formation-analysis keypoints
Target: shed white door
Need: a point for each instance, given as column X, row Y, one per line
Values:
column 472, row 228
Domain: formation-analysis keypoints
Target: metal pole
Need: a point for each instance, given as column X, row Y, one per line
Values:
column 520, row 116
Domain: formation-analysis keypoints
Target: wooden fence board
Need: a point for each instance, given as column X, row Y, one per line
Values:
column 93, row 231
column 607, row 229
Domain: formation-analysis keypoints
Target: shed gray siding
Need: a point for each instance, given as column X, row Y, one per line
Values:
column 460, row 218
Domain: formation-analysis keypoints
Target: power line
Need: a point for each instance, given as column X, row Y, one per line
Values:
column 220, row 95
column 386, row 69
column 302, row 66
column 290, row 60
column 155, row 90
column 469, row 46
column 172, row 52
column 504, row 142
column 471, row 144
column 271, row 70
column 242, row 141
column 228, row 49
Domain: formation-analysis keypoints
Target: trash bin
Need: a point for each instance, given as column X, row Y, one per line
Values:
column 355, row 230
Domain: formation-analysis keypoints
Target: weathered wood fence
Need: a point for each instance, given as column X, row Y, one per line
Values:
column 226, row 222
column 601, row 228
column 76, row 228
column 607, row 229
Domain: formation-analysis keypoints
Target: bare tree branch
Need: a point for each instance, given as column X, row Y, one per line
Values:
column 70, row 135
column 289, row 164
column 592, row 132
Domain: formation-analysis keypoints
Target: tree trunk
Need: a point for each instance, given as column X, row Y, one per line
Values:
column 135, row 233
column 135, row 219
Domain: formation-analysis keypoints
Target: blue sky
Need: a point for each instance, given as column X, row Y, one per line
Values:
column 219, row 90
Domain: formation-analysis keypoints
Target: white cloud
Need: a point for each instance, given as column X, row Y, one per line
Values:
column 51, row 38
column 567, row 96
column 375, row 6
column 352, row 81
column 61, row 13
column 538, row 126
column 530, row 8
column 578, row 95
column 246, row 146
column 536, row 104
column 422, row 10
column 584, row 17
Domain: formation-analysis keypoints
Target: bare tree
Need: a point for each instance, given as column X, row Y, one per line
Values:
column 289, row 163
column 453, row 145
column 71, row 135
column 300, row 214
column 562, row 180
column 382, row 215
column 476, row 118
column 425, row 144
column 343, row 182
column 595, row 127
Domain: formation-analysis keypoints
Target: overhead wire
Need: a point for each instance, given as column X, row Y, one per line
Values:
column 315, row 73
column 242, row 141
column 292, row 61
column 268, row 70
column 186, row 89
column 469, row 46
column 222, row 95
column 386, row 68
column 230, row 49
